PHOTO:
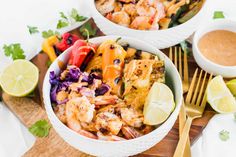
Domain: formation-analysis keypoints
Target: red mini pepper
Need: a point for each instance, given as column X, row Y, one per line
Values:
column 81, row 53
column 67, row 41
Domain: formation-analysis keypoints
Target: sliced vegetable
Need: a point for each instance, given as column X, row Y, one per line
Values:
column 82, row 52
column 113, row 56
column 67, row 41
column 174, row 18
column 48, row 48
column 191, row 13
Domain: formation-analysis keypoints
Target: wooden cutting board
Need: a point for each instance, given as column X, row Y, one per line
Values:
column 30, row 110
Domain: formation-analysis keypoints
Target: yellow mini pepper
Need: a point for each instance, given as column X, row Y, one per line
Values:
column 47, row 47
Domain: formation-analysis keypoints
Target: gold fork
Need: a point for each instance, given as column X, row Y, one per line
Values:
column 195, row 103
column 182, row 115
column 178, row 56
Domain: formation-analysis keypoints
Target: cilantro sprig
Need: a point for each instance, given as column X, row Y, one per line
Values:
column 49, row 33
column 78, row 18
column 61, row 24
column 33, row 29
column 14, row 51
column 224, row 135
column 91, row 31
column 218, row 15
column 40, row 128
column 69, row 19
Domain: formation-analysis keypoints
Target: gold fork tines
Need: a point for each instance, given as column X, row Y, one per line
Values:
column 183, row 72
column 194, row 107
column 176, row 58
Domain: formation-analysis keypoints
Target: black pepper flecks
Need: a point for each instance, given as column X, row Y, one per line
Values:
column 112, row 47
column 117, row 80
column 116, row 61
column 69, row 40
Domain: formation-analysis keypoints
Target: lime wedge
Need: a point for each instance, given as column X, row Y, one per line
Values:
column 158, row 105
column 232, row 86
column 20, row 78
column 219, row 96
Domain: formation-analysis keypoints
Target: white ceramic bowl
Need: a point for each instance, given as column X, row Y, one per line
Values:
column 159, row 38
column 116, row 148
column 202, row 61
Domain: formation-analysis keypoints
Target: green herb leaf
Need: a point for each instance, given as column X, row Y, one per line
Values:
column 235, row 117
column 40, row 129
column 224, row 135
column 186, row 46
column 33, row 29
column 74, row 14
column 48, row 63
column 62, row 24
column 63, row 16
column 218, row 15
column 14, row 51
column 49, row 33
column 92, row 31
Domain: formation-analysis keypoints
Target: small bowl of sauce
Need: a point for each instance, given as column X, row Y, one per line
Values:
column 214, row 48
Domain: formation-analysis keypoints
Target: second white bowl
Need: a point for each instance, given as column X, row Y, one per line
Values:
column 159, row 38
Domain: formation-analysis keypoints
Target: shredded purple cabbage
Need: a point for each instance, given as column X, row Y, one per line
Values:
column 53, row 78
column 73, row 76
column 89, row 78
column 102, row 89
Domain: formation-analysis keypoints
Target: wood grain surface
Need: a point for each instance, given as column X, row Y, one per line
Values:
column 30, row 110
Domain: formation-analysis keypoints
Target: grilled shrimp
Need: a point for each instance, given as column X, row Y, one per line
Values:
column 87, row 92
column 132, row 117
column 62, row 95
column 76, row 86
column 79, row 110
column 118, row 7
column 103, row 137
column 127, row 1
column 141, row 23
column 130, row 9
column 105, row 100
column 130, row 132
column 88, row 126
column 108, row 123
column 60, row 112
column 145, row 8
column 121, row 18
column 105, row 6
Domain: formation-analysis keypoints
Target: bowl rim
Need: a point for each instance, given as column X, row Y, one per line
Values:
column 114, row 25
column 50, row 112
column 198, row 34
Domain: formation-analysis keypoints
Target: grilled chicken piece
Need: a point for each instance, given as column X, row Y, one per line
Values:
column 139, row 75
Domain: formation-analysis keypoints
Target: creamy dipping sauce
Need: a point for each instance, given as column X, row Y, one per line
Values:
column 219, row 46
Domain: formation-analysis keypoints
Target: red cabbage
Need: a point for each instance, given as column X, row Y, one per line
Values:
column 102, row 89
column 73, row 75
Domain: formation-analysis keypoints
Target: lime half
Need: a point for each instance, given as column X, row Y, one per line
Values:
column 20, row 78
column 158, row 105
column 219, row 96
column 232, row 86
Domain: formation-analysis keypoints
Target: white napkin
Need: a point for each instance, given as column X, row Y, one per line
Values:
column 210, row 145
column 15, row 15
column 15, row 139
